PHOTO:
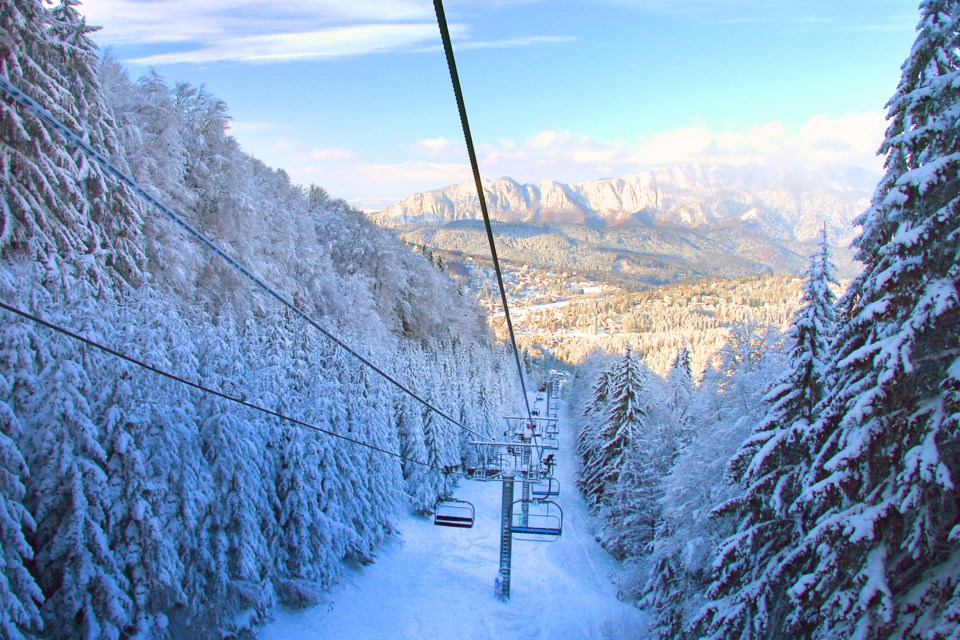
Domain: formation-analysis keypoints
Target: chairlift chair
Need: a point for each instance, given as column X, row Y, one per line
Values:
column 544, row 520
column 549, row 444
column 549, row 489
column 451, row 512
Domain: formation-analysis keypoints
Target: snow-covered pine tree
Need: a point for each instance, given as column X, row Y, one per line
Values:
column 57, row 207
column 624, row 420
column 230, row 571
column 377, row 489
column 20, row 597
column 112, row 208
column 40, row 204
column 748, row 595
column 420, row 482
column 144, row 552
column 163, row 472
column 632, row 511
column 680, row 387
column 594, row 414
column 301, row 543
column 725, row 409
column 85, row 589
column 881, row 556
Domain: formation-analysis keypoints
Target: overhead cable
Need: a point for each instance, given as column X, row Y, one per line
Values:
column 205, row 389
column 18, row 96
column 461, row 106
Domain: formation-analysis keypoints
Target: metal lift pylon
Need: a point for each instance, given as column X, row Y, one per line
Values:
column 502, row 584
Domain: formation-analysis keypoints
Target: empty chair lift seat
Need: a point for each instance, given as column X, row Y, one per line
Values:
column 454, row 513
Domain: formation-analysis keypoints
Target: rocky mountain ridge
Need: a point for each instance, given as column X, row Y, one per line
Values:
column 789, row 205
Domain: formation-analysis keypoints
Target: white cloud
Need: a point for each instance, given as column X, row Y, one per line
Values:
column 306, row 45
column 254, row 31
column 138, row 21
column 438, row 173
column 437, row 147
column 328, row 153
column 572, row 157
column 677, row 145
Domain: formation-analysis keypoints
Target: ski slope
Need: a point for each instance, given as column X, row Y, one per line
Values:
column 438, row 582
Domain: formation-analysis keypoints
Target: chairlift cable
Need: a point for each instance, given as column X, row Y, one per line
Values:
column 15, row 94
column 468, row 138
column 205, row 389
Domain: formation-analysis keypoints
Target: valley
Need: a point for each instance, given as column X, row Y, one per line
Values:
column 663, row 259
column 565, row 316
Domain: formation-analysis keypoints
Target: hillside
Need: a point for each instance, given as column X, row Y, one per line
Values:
column 235, row 457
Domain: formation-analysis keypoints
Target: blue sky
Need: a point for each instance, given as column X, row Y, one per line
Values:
column 354, row 95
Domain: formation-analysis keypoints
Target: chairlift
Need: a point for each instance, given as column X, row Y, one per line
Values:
column 536, row 520
column 492, row 467
column 546, row 490
column 490, row 463
column 549, row 444
column 452, row 512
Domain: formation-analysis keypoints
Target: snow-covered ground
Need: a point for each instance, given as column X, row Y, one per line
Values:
column 438, row 582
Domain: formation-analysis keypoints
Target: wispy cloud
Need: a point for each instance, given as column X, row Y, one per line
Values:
column 251, row 31
column 329, row 153
column 306, row 45
column 437, row 147
column 524, row 41
column 139, row 21
column 438, row 173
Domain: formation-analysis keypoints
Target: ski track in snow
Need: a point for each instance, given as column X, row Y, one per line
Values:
column 437, row 582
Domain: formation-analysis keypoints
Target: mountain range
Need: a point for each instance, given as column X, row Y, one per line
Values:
column 684, row 220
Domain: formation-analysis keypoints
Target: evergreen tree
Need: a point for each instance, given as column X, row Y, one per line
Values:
column 233, row 562
column 680, row 388
column 880, row 556
column 748, row 594
column 622, row 425
column 672, row 581
column 594, row 411
column 112, row 208
column 85, row 589
column 20, row 597
column 58, row 207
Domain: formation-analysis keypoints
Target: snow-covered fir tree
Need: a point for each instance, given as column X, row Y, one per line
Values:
column 86, row 592
column 672, row 579
column 748, row 595
column 624, row 417
column 880, row 556
column 680, row 386
column 20, row 596
column 594, row 415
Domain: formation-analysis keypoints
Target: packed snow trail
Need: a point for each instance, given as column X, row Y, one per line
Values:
column 437, row 582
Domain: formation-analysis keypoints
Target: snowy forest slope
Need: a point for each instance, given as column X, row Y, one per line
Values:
column 808, row 487
column 133, row 506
